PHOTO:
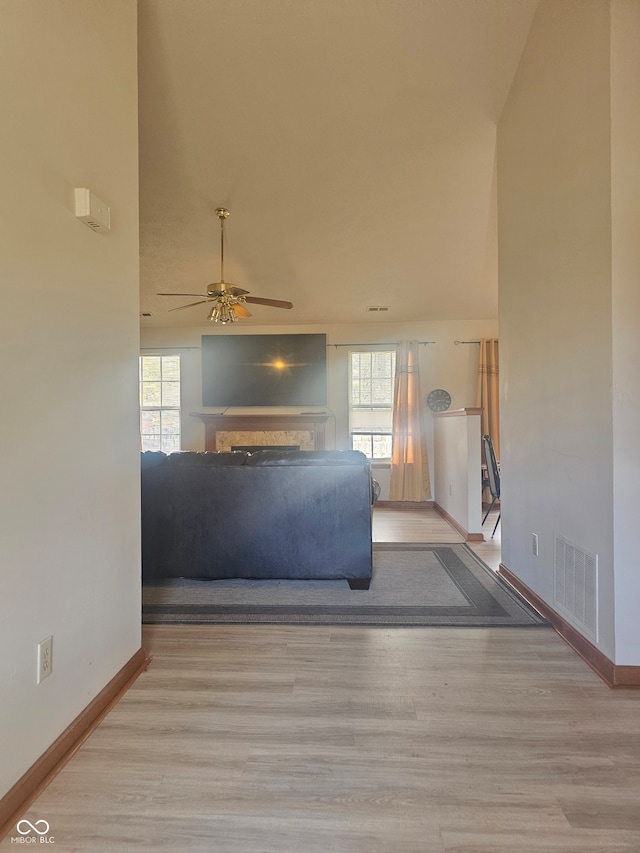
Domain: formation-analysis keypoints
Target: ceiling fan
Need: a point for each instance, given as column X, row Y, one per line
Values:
column 228, row 300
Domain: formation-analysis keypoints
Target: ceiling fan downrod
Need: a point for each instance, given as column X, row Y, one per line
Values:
column 222, row 213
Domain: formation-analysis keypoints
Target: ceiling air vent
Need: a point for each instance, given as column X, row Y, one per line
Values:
column 374, row 309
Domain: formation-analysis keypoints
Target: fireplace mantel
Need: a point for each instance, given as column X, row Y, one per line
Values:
column 314, row 423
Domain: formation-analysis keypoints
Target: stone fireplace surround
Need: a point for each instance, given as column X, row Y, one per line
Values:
column 305, row 431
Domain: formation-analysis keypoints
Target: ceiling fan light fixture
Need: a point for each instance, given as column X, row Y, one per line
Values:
column 222, row 313
column 229, row 299
column 227, row 314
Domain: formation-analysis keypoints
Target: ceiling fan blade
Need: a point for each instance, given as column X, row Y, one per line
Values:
column 274, row 303
column 190, row 305
column 219, row 288
column 202, row 295
column 240, row 310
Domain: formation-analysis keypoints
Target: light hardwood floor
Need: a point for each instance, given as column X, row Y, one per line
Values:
column 392, row 525
column 273, row 739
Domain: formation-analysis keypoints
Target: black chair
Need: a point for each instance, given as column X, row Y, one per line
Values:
column 493, row 477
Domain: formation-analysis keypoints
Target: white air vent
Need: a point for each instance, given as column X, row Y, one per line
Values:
column 376, row 308
column 576, row 586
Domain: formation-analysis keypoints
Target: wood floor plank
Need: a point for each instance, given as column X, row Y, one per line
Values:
column 297, row 739
column 427, row 525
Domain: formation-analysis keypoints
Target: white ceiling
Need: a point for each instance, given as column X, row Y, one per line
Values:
column 353, row 142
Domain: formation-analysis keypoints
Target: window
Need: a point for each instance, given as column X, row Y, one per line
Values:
column 160, row 402
column 371, row 402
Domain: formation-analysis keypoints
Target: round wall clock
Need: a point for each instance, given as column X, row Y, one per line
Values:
column 439, row 400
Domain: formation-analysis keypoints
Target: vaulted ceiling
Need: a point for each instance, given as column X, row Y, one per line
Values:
column 353, row 142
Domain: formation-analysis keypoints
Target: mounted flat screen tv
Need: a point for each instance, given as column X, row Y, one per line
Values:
column 264, row 370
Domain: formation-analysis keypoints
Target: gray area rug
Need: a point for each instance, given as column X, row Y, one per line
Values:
column 412, row 585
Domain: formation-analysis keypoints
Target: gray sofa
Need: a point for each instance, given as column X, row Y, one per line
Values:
column 269, row 514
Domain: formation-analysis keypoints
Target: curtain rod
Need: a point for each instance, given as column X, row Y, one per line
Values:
column 379, row 344
column 360, row 344
column 466, row 342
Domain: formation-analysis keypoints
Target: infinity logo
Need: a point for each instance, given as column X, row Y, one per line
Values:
column 33, row 827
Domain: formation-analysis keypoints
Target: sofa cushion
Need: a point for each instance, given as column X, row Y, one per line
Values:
column 306, row 457
column 151, row 458
column 209, row 459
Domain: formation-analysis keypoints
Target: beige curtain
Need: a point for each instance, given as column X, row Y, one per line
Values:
column 409, row 464
column 487, row 397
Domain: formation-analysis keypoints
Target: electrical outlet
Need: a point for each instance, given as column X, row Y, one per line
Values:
column 45, row 659
column 534, row 544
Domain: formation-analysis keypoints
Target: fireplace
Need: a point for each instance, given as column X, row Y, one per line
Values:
column 304, row 431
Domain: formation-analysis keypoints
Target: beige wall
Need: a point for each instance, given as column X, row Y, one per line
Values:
column 69, row 514
column 456, row 466
column 625, row 215
column 442, row 365
column 564, row 308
